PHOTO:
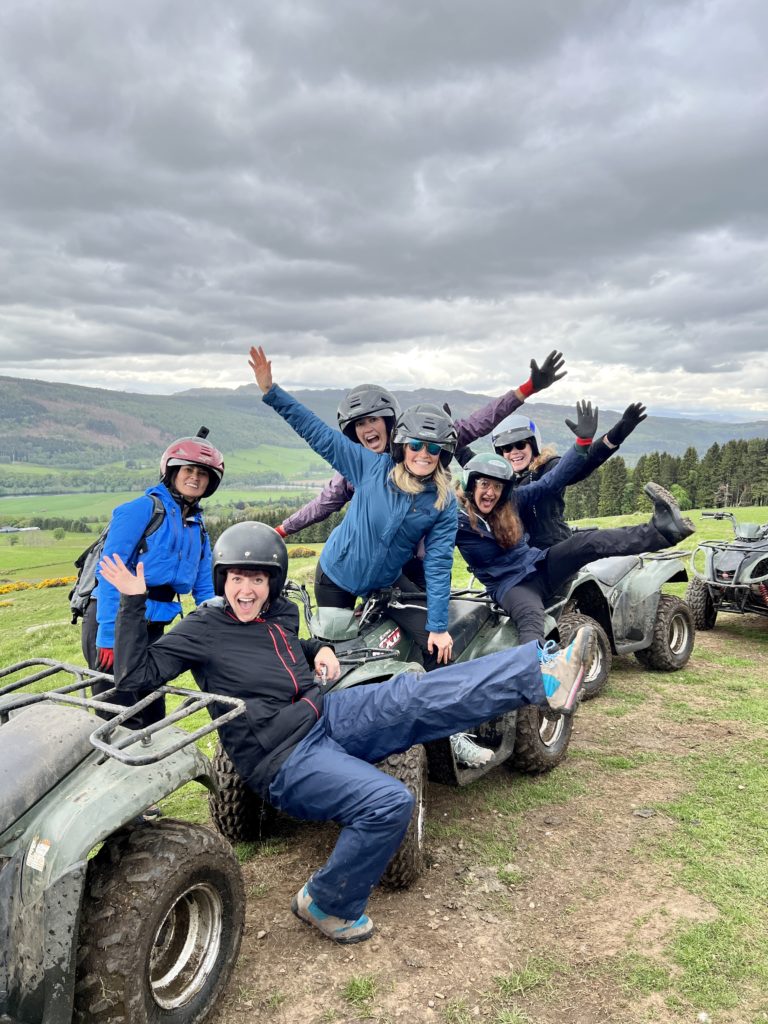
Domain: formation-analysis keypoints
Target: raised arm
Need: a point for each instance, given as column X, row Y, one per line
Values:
column 344, row 455
column 482, row 422
column 572, row 465
column 333, row 497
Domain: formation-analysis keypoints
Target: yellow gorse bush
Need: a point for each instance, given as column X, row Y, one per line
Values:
column 57, row 581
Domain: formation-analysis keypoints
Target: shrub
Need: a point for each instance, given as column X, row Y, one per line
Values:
column 300, row 552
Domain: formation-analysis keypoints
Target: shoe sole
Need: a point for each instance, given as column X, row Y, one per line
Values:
column 311, row 924
column 574, row 695
column 654, row 491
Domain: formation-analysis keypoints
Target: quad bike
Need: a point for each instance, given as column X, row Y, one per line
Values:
column 372, row 648
column 729, row 576
column 622, row 599
column 105, row 916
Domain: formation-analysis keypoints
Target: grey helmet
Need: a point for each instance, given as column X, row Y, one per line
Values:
column 425, row 422
column 493, row 467
column 516, row 428
column 253, row 546
column 366, row 400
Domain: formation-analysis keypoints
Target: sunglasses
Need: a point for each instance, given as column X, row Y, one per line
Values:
column 517, row 445
column 432, row 447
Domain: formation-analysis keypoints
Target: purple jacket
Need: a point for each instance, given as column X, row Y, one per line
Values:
column 338, row 491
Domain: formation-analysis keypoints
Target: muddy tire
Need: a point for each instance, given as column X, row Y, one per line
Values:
column 160, row 927
column 237, row 812
column 407, row 864
column 673, row 636
column 596, row 675
column 542, row 739
column 699, row 600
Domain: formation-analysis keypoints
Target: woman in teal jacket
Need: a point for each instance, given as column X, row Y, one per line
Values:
column 399, row 499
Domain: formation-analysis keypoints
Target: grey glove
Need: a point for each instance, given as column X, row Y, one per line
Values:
column 632, row 415
column 585, row 426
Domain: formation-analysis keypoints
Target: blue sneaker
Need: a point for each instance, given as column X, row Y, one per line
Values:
column 562, row 671
column 337, row 928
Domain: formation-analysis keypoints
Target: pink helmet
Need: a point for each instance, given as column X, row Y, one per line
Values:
column 193, row 451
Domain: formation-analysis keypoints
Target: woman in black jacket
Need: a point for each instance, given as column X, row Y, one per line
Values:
column 312, row 754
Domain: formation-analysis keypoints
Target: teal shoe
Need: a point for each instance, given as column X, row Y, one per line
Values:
column 562, row 671
column 339, row 929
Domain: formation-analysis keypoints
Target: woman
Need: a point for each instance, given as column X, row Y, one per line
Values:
column 176, row 555
column 367, row 415
column 309, row 753
column 518, row 440
column 521, row 577
column 399, row 500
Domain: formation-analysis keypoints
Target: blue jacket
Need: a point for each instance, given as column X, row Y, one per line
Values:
column 383, row 525
column 499, row 569
column 178, row 555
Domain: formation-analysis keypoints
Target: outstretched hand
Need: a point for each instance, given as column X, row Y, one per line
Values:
column 262, row 368
column 621, row 430
column 585, row 426
column 546, row 375
column 115, row 571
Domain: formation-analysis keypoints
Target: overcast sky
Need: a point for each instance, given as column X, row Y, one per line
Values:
column 418, row 192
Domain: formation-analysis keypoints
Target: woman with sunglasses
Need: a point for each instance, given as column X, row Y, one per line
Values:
column 399, row 500
column 518, row 440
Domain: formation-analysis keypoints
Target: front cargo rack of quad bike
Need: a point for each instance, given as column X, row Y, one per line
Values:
column 106, row 737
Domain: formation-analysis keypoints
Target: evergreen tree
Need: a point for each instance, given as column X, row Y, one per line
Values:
column 613, row 480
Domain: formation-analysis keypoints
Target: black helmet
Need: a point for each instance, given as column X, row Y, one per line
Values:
column 193, row 451
column 516, row 428
column 424, row 423
column 493, row 467
column 250, row 545
column 366, row 400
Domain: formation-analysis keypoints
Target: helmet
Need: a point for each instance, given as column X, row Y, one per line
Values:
column 516, row 428
column 494, row 467
column 193, row 451
column 424, row 422
column 366, row 400
column 250, row 545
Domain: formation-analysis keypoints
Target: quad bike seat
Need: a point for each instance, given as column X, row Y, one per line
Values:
column 39, row 745
column 610, row 570
column 464, row 620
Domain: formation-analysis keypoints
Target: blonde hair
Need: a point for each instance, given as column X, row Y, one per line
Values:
column 504, row 521
column 410, row 484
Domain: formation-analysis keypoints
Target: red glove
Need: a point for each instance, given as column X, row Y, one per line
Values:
column 281, row 531
column 106, row 660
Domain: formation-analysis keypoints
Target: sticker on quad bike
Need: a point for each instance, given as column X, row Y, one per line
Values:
column 390, row 640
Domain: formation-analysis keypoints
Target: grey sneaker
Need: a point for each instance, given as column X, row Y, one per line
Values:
column 469, row 753
column 562, row 671
column 338, row 929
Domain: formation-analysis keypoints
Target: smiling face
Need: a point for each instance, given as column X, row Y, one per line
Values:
column 246, row 591
column 420, row 463
column 486, row 494
column 191, row 482
column 519, row 459
column 372, row 433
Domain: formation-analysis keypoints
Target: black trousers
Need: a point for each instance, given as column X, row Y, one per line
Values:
column 413, row 620
column 149, row 715
column 526, row 601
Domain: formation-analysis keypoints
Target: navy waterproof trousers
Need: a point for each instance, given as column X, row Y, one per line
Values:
column 330, row 776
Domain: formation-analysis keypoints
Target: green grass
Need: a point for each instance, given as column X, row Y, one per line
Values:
column 359, row 992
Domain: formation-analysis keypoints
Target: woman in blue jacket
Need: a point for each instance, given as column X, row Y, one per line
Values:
column 175, row 551
column 522, row 577
column 398, row 500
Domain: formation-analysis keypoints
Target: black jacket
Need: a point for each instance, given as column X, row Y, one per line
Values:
column 263, row 662
column 544, row 520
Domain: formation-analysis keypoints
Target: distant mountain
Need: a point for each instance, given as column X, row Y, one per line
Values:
column 69, row 426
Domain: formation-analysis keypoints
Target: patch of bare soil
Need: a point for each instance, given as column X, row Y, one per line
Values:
column 587, row 895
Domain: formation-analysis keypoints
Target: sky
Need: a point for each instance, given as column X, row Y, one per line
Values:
column 422, row 194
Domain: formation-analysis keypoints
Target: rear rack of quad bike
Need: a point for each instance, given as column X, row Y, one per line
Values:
column 104, row 737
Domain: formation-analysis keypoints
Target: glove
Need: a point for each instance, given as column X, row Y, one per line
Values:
column 586, row 423
column 632, row 415
column 106, row 658
column 281, row 531
column 545, row 376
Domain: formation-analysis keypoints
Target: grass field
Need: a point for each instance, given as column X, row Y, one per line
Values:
column 627, row 886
